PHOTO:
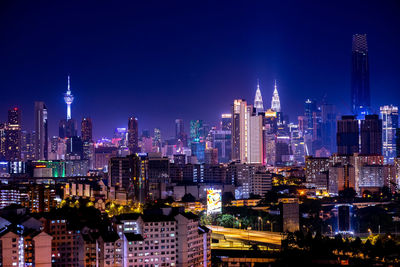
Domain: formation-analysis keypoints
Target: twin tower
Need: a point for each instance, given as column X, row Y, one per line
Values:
column 275, row 102
column 247, row 127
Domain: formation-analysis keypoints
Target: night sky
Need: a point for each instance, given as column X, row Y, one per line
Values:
column 163, row 60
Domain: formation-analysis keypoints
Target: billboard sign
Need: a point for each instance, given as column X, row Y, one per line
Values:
column 214, row 201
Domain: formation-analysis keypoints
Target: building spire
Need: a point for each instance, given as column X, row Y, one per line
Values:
column 68, row 98
column 275, row 103
column 258, row 102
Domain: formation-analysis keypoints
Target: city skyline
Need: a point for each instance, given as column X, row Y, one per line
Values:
column 199, row 134
column 259, row 49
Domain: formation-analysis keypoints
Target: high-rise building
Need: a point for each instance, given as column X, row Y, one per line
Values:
column 130, row 173
column 86, row 129
column 390, row 122
column 258, row 102
column 360, row 89
column 180, row 134
column 121, row 136
column 247, row 133
column 28, row 140
column 195, row 129
column 275, row 103
column 310, row 107
column 74, row 149
column 255, row 137
column 3, row 141
column 297, row 145
column 221, row 140
column 13, row 135
column 328, row 127
column 67, row 128
column 145, row 133
column 226, row 122
column 398, row 142
column 211, row 156
column 198, row 148
column 316, row 172
column 289, row 210
column 179, row 128
column 204, row 131
column 347, row 136
column 157, row 138
column 371, row 135
column 87, row 141
column 42, row 139
column 133, row 135
column 239, row 131
column 14, row 116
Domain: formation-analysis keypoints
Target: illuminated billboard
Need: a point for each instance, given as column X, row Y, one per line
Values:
column 214, row 202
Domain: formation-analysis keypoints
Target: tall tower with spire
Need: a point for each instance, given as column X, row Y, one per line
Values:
column 275, row 103
column 258, row 102
column 68, row 98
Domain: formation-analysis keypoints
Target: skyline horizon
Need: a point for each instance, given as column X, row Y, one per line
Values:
column 136, row 59
column 172, row 124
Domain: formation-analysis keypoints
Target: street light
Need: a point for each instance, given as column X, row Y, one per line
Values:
column 270, row 223
column 330, row 227
column 260, row 223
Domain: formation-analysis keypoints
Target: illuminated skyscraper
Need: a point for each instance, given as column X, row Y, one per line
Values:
column 157, row 138
column 258, row 102
column 133, row 135
column 13, row 135
column 41, row 137
column 390, row 122
column 28, row 140
column 221, row 140
column 195, row 129
column 310, row 107
column 239, row 131
column 360, row 89
column 255, row 137
column 68, row 98
column 226, row 122
column 371, row 135
column 86, row 129
column 247, row 139
column 275, row 103
column 87, row 141
column 2, row 141
column 347, row 136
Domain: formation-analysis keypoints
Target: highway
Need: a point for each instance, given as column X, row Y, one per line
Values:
column 261, row 237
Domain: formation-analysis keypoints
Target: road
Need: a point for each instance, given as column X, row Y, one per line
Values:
column 247, row 235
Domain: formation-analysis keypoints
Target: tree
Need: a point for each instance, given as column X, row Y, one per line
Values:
column 367, row 194
column 226, row 220
column 348, row 193
column 188, row 198
column 254, row 247
column 205, row 219
column 169, row 200
column 270, row 197
column 386, row 193
column 227, row 198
